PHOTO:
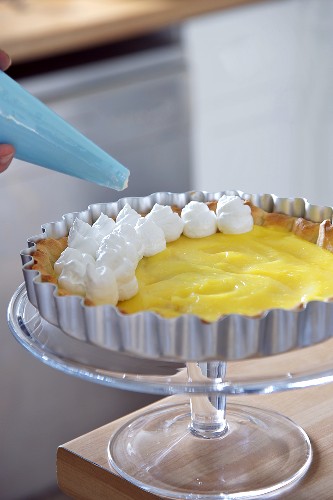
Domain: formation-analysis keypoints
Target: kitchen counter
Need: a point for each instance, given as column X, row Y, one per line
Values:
column 33, row 29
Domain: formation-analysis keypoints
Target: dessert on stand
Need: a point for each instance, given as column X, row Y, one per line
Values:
column 237, row 451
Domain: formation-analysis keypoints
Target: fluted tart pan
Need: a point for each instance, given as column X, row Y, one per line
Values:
column 187, row 337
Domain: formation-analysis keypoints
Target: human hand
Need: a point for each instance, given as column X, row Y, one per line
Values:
column 6, row 150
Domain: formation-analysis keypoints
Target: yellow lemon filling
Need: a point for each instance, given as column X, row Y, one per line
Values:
column 223, row 274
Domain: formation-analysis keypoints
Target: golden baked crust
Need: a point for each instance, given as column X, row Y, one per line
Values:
column 305, row 229
column 48, row 250
column 46, row 254
column 262, row 218
column 325, row 237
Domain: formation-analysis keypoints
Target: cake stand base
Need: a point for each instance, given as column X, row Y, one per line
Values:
column 260, row 454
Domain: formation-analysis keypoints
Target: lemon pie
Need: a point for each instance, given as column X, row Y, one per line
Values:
column 281, row 262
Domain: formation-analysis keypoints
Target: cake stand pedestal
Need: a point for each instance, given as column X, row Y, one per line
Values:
column 207, row 448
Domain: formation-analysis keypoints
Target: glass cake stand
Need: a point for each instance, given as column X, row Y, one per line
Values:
column 208, row 448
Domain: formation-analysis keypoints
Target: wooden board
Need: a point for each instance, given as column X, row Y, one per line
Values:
column 32, row 29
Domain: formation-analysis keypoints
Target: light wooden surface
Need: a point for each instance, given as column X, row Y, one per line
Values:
column 83, row 470
column 31, row 29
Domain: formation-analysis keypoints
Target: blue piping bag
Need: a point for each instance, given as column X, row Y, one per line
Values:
column 43, row 138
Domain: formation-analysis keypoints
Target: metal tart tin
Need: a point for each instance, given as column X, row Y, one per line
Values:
column 185, row 338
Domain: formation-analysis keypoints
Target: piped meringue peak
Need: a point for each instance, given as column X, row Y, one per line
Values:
column 101, row 259
column 199, row 220
column 170, row 222
column 233, row 217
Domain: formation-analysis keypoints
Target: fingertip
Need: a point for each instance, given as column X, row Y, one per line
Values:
column 7, row 152
column 5, row 60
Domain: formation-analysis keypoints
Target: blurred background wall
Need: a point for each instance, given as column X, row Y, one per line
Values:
column 261, row 99
column 238, row 99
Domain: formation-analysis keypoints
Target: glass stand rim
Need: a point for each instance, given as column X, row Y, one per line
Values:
column 33, row 334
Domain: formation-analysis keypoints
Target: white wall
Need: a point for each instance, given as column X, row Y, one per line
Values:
column 261, row 88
